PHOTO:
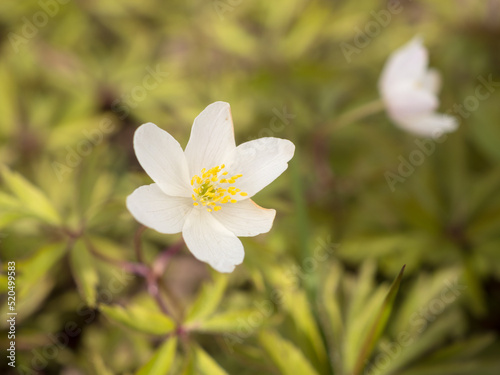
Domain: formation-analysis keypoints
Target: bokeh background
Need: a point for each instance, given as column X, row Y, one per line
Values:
column 78, row 77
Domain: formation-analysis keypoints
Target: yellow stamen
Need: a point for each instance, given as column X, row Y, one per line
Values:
column 211, row 190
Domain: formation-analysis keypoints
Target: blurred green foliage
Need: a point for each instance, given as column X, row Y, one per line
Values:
column 78, row 77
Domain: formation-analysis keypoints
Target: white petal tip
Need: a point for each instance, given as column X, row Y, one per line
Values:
column 145, row 127
column 417, row 39
column 224, row 267
column 144, row 132
column 218, row 106
column 429, row 126
column 448, row 124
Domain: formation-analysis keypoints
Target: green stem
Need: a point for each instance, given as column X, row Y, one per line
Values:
column 357, row 114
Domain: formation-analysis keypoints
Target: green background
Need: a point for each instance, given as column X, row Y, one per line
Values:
column 75, row 81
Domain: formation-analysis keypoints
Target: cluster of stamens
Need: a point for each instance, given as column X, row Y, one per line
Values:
column 211, row 188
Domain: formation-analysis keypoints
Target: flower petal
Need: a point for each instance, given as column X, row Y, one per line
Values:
column 153, row 208
column 432, row 81
column 211, row 242
column 212, row 138
column 245, row 218
column 432, row 125
column 406, row 64
column 162, row 158
column 259, row 162
column 407, row 102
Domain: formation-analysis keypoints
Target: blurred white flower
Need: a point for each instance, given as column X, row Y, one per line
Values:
column 409, row 90
column 205, row 190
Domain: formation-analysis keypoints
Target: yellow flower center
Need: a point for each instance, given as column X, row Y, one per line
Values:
column 214, row 188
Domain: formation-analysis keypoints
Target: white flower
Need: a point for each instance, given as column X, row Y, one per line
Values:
column 205, row 190
column 409, row 90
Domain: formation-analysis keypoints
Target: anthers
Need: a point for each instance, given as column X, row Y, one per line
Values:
column 212, row 189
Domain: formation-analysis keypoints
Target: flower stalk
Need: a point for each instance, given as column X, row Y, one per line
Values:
column 359, row 113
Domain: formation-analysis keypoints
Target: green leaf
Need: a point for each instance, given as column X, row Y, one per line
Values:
column 9, row 203
column 305, row 32
column 6, row 218
column 139, row 319
column 98, row 364
column 485, row 132
column 474, row 291
column 476, row 366
column 234, row 39
column 287, row 357
column 417, row 346
column 378, row 325
column 162, row 360
column 303, row 225
column 483, row 192
column 8, row 102
column 38, row 266
column 189, row 367
column 206, row 365
column 33, row 200
column 208, row 299
column 36, row 298
column 4, row 283
column 230, row 321
column 464, row 349
column 390, row 250
column 463, row 357
column 331, row 315
column 300, row 310
column 84, row 272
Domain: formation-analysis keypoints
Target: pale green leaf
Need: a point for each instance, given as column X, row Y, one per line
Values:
column 287, row 357
column 161, row 362
column 206, row 365
column 38, row 266
column 331, row 314
column 139, row 319
column 305, row 32
column 483, row 367
column 300, row 310
column 7, row 218
column 84, row 272
column 231, row 321
column 8, row 102
column 33, row 200
column 4, row 283
column 208, row 299
column 418, row 345
column 379, row 324
column 34, row 301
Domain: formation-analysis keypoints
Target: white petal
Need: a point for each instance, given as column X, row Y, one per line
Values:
column 431, row 125
column 406, row 64
column 431, row 81
column 245, row 218
column 211, row 242
column 410, row 101
column 259, row 162
column 212, row 138
column 162, row 158
column 153, row 208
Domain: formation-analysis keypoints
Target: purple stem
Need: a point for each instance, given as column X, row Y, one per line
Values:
column 161, row 261
column 137, row 243
column 151, row 274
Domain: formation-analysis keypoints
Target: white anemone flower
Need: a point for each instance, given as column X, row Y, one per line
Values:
column 409, row 91
column 205, row 190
